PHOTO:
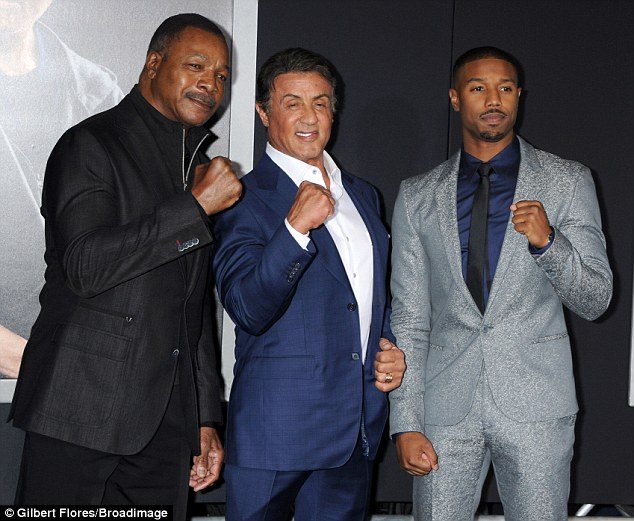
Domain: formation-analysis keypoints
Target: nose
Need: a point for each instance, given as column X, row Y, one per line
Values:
column 309, row 115
column 493, row 98
column 209, row 81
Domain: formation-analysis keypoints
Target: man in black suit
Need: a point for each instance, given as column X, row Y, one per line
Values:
column 118, row 384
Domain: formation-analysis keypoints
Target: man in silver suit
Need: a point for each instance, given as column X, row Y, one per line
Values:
column 488, row 247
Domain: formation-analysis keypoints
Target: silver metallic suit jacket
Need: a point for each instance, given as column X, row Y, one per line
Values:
column 522, row 339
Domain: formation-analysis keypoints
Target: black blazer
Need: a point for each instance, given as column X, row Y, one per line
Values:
column 127, row 300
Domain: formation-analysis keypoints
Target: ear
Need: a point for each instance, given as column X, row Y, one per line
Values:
column 454, row 99
column 153, row 61
column 519, row 92
column 263, row 115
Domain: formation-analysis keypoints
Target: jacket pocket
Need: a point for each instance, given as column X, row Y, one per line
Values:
column 549, row 338
column 85, row 376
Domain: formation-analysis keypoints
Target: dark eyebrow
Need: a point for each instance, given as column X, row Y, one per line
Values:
column 295, row 96
column 482, row 80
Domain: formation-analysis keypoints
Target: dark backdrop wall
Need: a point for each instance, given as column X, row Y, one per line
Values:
column 395, row 59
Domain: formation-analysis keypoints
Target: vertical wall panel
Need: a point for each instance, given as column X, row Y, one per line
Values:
column 578, row 67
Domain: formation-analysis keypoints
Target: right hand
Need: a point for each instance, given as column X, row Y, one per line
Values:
column 313, row 204
column 216, row 186
column 11, row 349
column 416, row 454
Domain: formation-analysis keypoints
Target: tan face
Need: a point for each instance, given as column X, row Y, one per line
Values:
column 18, row 15
column 487, row 97
column 187, row 81
column 300, row 115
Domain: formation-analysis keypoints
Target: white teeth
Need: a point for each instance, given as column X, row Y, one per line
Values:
column 303, row 134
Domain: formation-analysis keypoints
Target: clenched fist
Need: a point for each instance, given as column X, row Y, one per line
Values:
column 389, row 366
column 313, row 204
column 530, row 219
column 216, row 186
column 416, row 454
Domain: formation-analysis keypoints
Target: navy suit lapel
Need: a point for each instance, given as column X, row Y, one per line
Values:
column 279, row 193
column 277, row 189
column 369, row 212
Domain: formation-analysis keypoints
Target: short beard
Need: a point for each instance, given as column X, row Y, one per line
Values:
column 492, row 137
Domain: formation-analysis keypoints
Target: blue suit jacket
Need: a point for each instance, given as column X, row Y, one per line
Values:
column 299, row 382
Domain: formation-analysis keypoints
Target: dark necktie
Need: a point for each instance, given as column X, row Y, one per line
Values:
column 477, row 259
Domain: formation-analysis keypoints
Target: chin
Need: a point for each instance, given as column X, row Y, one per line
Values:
column 195, row 121
column 493, row 137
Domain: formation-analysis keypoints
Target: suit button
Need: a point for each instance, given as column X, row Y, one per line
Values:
column 175, row 353
column 352, row 306
column 355, row 356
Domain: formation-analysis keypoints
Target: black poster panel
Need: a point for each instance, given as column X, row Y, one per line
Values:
column 578, row 71
column 393, row 61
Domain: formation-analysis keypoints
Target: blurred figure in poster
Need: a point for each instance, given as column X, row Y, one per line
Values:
column 46, row 88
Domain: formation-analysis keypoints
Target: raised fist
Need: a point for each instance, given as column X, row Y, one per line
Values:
column 530, row 219
column 313, row 204
column 216, row 186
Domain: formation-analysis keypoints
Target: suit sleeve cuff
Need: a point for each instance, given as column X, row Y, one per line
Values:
column 299, row 237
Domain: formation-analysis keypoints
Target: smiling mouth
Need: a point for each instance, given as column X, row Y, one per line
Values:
column 306, row 135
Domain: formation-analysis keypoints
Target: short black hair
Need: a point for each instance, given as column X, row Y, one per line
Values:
column 480, row 53
column 174, row 25
column 294, row 59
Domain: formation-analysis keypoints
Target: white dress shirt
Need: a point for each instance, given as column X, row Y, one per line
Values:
column 347, row 229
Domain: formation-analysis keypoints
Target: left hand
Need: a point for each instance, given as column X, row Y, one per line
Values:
column 206, row 468
column 530, row 219
column 389, row 361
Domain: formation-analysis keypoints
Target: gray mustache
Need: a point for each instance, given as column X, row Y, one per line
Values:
column 202, row 98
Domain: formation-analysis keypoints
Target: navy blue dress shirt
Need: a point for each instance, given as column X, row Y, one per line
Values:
column 503, row 180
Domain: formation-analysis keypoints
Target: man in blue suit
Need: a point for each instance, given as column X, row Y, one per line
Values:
column 300, row 267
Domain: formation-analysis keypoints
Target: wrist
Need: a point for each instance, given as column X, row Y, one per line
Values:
column 297, row 226
column 547, row 240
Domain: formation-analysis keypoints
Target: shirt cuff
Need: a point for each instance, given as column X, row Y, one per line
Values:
column 301, row 239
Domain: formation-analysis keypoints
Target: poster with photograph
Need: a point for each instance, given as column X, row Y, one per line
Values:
column 62, row 61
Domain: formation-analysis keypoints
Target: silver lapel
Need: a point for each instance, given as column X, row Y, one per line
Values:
column 445, row 197
column 530, row 180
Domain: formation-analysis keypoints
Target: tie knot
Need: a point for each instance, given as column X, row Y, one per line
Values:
column 485, row 170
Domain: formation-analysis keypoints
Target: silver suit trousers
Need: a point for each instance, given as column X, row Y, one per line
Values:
column 531, row 461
